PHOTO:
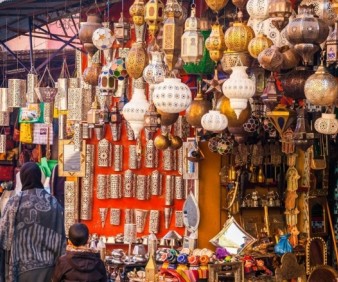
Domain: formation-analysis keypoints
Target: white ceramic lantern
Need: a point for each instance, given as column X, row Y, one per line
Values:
column 135, row 109
column 239, row 88
column 258, row 9
column 327, row 124
column 172, row 96
column 154, row 72
column 192, row 41
column 103, row 38
column 214, row 121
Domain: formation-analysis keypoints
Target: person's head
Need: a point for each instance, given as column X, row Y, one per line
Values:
column 78, row 234
column 30, row 176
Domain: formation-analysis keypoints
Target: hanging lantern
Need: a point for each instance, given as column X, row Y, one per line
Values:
column 321, row 88
column 122, row 30
column 172, row 32
column 280, row 12
column 306, row 32
column 216, row 5
column 154, row 72
column 240, row 4
column 16, row 93
column 136, row 60
column 239, row 88
column 230, row 60
column 258, row 9
column 281, row 118
column 302, row 136
column 332, row 46
column 103, row 37
column 271, row 95
column 167, row 118
column 294, row 81
column 197, row 109
column 172, row 96
column 271, row 58
column 106, row 82
column 258, row 44
column 32, row 82
column 91, row 73
column 87, row 29
column 327, row 124
column 137, row 11
column 115, row 122
column 290, row 58
column 94, row 113
column 323, row 9
column 153, row 15
column 152, row 119
column 238, row 36
column 214, row 121
column 215, row 42
column 192, row 41
column 252, row 124
column 136, row 108
column 4, row 100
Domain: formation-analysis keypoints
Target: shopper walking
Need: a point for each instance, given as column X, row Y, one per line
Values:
column 80, row 263
column 31, row 231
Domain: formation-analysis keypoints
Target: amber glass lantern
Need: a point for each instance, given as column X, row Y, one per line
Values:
column 192, row 41
column 153, row 15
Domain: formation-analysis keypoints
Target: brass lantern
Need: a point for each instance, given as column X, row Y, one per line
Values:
column 332, row 46
column 137, row 11
column 122, row 30
column 172, row 33
column 279, row 12
column 152, row 119
column 153, row 15
column 238, row 36
column 215, row 42
column 258, row 44
column 281, row 118
column 192, row 41
column 271, row 95
column 216, row 5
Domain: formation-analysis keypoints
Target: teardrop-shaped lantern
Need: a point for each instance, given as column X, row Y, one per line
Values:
column 136, row 60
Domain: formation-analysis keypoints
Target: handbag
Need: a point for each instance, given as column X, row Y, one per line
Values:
column 6, row 172
column 26, row 133
column 42, row 132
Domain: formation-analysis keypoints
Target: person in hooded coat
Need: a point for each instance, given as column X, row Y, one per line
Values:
column 80, row 263
column 31, row 230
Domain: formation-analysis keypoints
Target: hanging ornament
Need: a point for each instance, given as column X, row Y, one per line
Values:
column 214, row 84
column 107, row 83
column 192, row 41
column 103, row 37
column 154, row 72
column 239, row 88
column 197, row 109
column 294, row 81
column 225, row 145
column 215, row 42
column 306, row 32
column 172, row 32
column 252, row 124
column 137, row 11
column 122, row 30
column 87, row 29
column 136, row 60
column 153, row 15
column 258, row 44
column 280, row 12
column 172, row 96
column 281, row 118
column 271, row 58
column 323, row 9
column 290, row 57
column 214, row 121
column 302, row 136
column 327, row 124
column 321, row 88
column 230, row 60
column 216, row 5
column 136, row 108
column 271, row 96
column 152, row 119
column 168, row 118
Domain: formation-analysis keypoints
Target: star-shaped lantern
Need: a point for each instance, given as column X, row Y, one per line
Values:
column 214, row 84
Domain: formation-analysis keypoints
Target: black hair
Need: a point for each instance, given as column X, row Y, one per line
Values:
column 78, row 234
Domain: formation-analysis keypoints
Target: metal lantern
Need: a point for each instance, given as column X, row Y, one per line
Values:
column 216, row 5
column 332, row 46
column 238, row 36
column 16, row 93
column 4, row 100
column 153, row 15
column 327, row 124
column 258, row 9
column 280, row 12
column 93, row 115
column 172, row 32
column 107, row 83
column 115, row 122
column 86, row 32
column 321, row 88
column 103, row 38
column 136, row 108
column 32, row 82
column 137, row 11
column 323, row 9
column 192, row 41
column 303, row 136
column 197, row 109
column 258, row 44
column 271, row 58
column 239, row 88
column 152, row 119
column 215, row 43
column 136, row 60
column 214, row 121
column 172, row 96
column 122, row 30
column 281, row 118
column 271, row 95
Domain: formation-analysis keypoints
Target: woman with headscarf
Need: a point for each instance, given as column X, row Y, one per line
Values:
column 31, row 230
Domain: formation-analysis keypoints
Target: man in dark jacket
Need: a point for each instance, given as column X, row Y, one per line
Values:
column 79, row 263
